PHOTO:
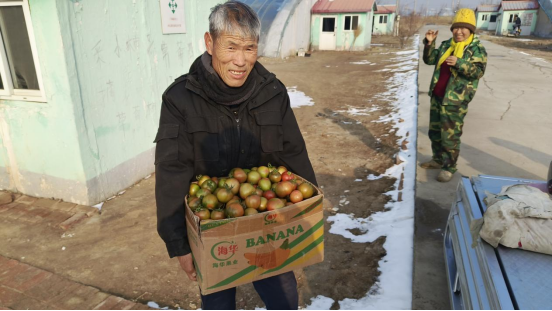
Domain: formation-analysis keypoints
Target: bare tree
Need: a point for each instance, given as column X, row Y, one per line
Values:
column 409, row 26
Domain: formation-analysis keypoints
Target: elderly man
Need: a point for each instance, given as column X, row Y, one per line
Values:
column 227, row 112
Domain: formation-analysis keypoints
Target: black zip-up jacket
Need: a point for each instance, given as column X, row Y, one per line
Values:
column 197, row 136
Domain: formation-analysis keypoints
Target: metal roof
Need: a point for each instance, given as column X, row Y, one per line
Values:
column 343, row 6
column 386, row 9
column 487, row 8
column 519, row 5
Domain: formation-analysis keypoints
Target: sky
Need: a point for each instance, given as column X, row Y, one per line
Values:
column 437, row 4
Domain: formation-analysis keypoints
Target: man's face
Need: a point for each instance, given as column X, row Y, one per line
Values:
column 460, row 34
column 233, row 57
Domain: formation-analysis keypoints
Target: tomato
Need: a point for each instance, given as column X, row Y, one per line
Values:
column 298, row 182
column 273, row 186
column 253, row 201
column 283, row 189
column 254, row 168
column 215, row 179
column 217, row 214
column 288, row 176
column 306, row 189
column 240, row 175
column 234, row 199
column 262, row 206
column 289, row 203
column 275, row 176
column 234, row 210
column 233, row 184
column 221, row 182
column 202, row 192
column 264, row 171
column 224, row 195
column 203, row 213
column 282, row 169
column 294, row 184
column 209, row 185
column 265, row 184
column 296, row 196
column 246, row 190
column 194, row 203
column 250, row 211
column 253, row 177
column 202, row 178
column 269, row 194
column 193, row 189
column 274, row 204
column 210, row 201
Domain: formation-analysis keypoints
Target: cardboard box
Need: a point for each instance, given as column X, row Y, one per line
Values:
column 235, row 251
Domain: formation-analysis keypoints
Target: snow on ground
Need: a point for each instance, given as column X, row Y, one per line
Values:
column 354, row 111
column 298, row 98
column 362, row 62
column 525, row 53
column 525, row 40
column 393, row 290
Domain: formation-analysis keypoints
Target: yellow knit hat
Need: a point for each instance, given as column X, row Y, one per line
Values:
column 464, row 18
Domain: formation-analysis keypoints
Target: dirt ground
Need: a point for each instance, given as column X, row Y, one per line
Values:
column 120, row 252
column 539, row 47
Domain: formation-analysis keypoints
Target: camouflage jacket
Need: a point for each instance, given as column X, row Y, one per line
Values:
column 470, row 68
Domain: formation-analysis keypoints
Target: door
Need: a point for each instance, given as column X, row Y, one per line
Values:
column 327, row 33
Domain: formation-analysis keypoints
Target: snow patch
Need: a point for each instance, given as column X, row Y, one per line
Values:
column 320, row 303
column 298, row 98
column 393, row 290
column 362, row 62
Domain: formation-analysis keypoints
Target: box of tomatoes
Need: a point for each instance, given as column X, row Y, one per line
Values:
column 252, row 225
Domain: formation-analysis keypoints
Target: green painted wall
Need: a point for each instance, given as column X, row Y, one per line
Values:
column 345, row 40
column 39, row 140
column 505, row 26
column 105, row 66
column 384, row 29
column 483, row 24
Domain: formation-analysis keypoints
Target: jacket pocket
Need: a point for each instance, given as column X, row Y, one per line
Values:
column 167, row 143
column 205, row 137
column 272, row 134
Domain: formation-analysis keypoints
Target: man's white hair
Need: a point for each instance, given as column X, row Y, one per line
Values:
column 234, row 18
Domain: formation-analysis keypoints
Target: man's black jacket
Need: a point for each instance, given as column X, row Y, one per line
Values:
column 197, row 136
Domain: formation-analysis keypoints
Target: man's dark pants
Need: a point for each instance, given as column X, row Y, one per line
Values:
column 278, row 293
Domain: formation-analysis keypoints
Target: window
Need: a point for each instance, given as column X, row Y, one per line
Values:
column 511, row 18
column 19, row 74
column 328, row 24
column 484, row 17
column 383, row 19
column 493, row 19
column 351, row 22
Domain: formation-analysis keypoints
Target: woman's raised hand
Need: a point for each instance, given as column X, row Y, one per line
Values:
column 431, row 35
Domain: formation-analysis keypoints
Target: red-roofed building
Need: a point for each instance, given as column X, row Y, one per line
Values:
column 527, row 10
column 487, row 16
column 384, row 20
column 342, row 24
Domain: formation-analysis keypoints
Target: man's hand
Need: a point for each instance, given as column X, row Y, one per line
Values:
column 187, row 264
column 431, row 35
column 451, row 61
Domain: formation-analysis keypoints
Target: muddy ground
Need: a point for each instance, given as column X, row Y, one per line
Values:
column 120, row 252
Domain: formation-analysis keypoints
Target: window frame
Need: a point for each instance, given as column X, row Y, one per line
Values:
column 352, row 16
column 495, row 18
column 383, row 18
column 511, row 19
column 485, row 17
column 9, row 92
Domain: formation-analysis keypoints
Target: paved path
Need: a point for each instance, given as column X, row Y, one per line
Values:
column 507, row 132
column 26, row 287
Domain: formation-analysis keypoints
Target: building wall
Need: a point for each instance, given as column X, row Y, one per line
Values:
column 505, row 26
column 383, row 29
column 105, row 66
column 544, row 25
column 124, row 64
column 345, row 40
column 486, row 25
column 39, row 146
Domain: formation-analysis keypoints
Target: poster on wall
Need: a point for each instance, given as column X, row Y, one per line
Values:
column 172, row 16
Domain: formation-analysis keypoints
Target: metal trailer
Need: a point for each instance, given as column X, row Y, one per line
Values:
column 482, row 277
